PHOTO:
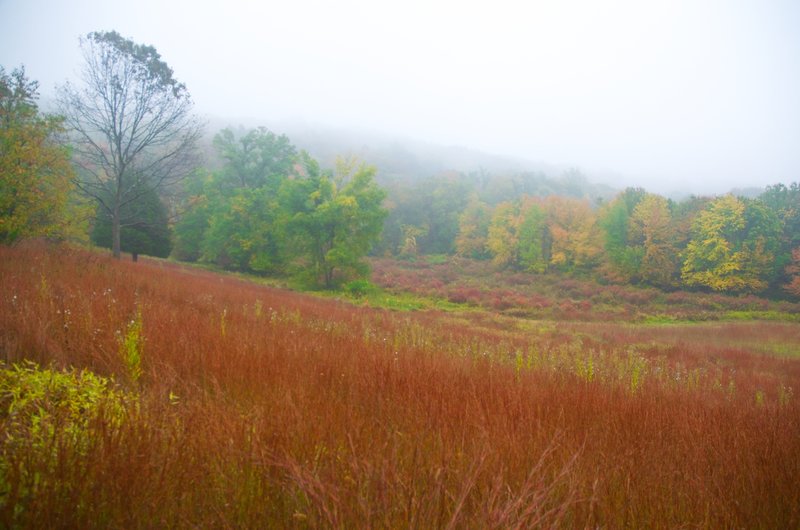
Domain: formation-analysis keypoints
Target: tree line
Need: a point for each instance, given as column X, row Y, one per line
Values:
column 725, row 243
column 116, row 163
column 121, row 162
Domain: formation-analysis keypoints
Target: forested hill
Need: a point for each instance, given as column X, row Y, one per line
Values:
column 523, row 220
column 403, row 162
column 394, row 155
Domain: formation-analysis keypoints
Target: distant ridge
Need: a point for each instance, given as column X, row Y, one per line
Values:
column 400, row 158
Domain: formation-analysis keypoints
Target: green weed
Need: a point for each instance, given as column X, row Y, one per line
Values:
column 46, row 413
column 132, row 348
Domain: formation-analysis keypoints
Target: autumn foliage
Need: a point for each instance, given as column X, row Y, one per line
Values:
column 794, row 270
column 35, row 171
column 257, row 407
column 725, row 244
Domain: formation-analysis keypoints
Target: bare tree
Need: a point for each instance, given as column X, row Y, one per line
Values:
column 131, row 125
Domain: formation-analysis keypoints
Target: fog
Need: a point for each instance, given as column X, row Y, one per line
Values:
column 672, row 95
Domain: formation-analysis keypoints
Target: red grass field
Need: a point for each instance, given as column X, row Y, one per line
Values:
column 260, row 408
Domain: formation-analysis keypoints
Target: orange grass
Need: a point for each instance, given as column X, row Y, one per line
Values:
column 293, row 411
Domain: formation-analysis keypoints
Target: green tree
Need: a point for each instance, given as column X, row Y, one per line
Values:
column 434, row 203
column 333, row 220
column 534, row 238
column 193, row 221
column 622, row 258
column 761, row 242
column 132, row 126
column 258, row 159
column 243, row 231
column 146, row 231
column 231, row 218
column 441, row 202
column 784, row 201
column 35, row 172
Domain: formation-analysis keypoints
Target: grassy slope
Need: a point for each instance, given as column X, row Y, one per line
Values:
column 293, row 410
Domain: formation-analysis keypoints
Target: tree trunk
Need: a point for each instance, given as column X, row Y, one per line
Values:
column 115, row 239
column 135, row 256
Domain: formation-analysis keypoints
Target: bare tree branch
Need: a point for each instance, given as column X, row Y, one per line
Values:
column 131, row 125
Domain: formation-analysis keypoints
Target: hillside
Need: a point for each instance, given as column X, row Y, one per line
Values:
column 239, row 405
column 402, row 160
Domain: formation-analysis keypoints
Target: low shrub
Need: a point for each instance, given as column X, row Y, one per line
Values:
column 359, row 288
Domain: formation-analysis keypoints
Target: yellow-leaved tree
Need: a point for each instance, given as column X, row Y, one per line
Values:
column 503, row 238
column 732, row 246
column 35, row 170
column 651, row 229
column 473, row 230
column 575, row 235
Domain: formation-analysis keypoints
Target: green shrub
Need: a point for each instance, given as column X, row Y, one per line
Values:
column 43, row 412
column 358, row 288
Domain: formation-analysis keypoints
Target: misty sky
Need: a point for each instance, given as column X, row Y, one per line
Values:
column 668, row 94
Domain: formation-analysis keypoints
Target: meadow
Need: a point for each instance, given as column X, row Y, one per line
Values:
column 151, row 394
column 554, row 296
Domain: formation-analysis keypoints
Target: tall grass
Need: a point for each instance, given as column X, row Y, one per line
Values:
column 257, row 407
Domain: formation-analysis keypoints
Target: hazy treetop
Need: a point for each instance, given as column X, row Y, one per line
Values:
column 668, row 93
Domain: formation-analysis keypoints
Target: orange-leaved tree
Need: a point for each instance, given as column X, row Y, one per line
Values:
column 573, row 228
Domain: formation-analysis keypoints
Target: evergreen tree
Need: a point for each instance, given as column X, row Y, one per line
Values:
column 147, row 231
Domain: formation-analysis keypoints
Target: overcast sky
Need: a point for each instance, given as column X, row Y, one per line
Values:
column 698, row 94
